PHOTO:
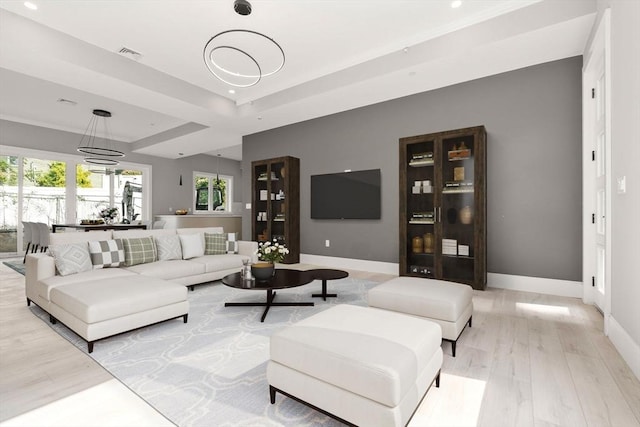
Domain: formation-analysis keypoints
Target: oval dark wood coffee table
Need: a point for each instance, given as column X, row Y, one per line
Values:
column 283, row 279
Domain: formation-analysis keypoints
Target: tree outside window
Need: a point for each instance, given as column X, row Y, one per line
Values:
column 211, row 192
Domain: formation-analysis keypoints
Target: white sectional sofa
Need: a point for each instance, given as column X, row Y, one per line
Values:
column 97, row 302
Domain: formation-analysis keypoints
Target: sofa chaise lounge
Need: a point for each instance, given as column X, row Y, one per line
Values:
column 117, row 295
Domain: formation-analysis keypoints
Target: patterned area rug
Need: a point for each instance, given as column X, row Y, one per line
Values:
column 212, row 370
column 16, row 265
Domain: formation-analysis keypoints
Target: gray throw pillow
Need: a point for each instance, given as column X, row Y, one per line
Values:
column 71, row 259
column 106, row 253
column 168, row 247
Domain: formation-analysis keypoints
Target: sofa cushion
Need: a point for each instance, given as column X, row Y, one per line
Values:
column 139, row 251
column 136, row 232
column 215, row 243
column 169, row 269
column 106, row 253
column 43, row 287
column 213, row 263
column 168, row 247
column 68, row 237
column 72, row 258
column 100, row 300
column 192, row 245
column 200, row 230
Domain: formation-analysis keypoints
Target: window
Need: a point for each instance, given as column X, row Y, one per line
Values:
column 212, row 192
column 57, row 188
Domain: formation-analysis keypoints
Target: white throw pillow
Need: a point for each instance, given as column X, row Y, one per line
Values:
column 192, row 245
column 168, row 247
column 72, row 258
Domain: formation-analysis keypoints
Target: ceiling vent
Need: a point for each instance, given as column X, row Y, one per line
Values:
column 131, row 54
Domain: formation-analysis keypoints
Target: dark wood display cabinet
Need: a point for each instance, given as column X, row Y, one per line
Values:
column 275, row 206
column 443, row 206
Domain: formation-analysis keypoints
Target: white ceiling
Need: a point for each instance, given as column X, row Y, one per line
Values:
column 340, row 54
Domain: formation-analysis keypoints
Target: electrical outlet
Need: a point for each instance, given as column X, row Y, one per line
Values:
column 327, row 243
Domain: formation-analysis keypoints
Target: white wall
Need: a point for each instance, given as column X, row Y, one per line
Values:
column 625, row 147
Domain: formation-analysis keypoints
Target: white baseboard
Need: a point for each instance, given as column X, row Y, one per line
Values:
column 563, row 288
column 626, row 346
column 351, row 264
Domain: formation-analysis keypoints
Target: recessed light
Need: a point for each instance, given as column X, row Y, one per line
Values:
column 405, row 50
column 259, row 117
column 232, row 91
column 30, row 5
column 456, row 4
column 180, row 154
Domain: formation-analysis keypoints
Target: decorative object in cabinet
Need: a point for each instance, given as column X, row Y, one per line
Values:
column 443, row 202
column 276, row 203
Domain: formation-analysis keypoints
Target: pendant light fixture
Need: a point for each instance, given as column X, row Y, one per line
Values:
column 96, row 154
column 240, row 57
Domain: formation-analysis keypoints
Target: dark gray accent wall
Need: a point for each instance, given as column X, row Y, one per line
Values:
column 166, row 191
column 533, row 121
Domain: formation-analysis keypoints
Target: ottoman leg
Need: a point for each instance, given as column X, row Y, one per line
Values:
column 453, row 348
column 470, row 319
column 272, row 394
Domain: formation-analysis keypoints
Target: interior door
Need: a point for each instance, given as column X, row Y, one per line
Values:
column 597, row 170
column 600, row 143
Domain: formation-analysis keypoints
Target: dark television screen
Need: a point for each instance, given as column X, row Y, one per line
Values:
column 346, row 195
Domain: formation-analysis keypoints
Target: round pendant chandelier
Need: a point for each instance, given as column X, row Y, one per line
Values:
column 95, row 153
column 241, row 58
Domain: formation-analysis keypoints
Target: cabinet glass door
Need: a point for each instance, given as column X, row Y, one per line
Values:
column 457, row 208
column 420, row 213
column 261, row 203
column 278, row 206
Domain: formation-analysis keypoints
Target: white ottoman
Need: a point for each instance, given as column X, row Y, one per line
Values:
column 446, row 303
column 361, row 366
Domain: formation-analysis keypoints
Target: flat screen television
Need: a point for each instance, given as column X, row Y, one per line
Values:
column 346, row 195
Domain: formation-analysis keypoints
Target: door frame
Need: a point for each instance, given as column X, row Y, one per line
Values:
column 600, row 47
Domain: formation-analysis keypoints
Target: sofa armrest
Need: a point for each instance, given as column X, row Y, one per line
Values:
column 38, row 267
column 249, row 249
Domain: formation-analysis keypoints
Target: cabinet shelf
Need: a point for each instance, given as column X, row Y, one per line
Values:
column 421, row 163
column 457, row 190
column 271, row 180
column 456, row 175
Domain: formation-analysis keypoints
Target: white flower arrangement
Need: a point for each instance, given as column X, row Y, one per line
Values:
column 272, row 252
column 109, row 213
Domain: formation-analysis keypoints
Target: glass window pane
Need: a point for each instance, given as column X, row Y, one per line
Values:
column 92, row 191
column 202, row 193
column 9, row 200
column 44, row 191
column 128, row 194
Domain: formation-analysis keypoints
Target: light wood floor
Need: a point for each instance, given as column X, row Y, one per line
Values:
column 528, row 360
